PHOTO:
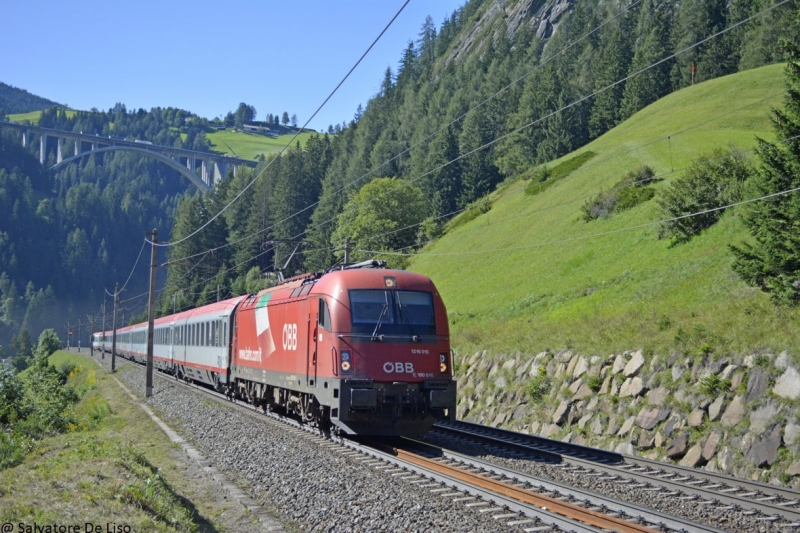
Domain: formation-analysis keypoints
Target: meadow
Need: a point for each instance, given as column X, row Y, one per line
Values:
column 531, row 274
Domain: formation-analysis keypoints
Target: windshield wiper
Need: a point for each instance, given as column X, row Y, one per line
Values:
column 380, row 318
column 414, row 336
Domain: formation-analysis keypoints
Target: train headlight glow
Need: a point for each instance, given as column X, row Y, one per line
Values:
column 442, row 362
column 346, row 365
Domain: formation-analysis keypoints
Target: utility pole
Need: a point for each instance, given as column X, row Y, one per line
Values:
column 217, row 293
column 151, row 315
column 114, row 333
column 347, row 251
column 91, row 334
column 79, row 335
column 103, row 350
column 66, row 334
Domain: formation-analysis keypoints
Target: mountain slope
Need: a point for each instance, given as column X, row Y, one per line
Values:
column 14, row 100
column 598, row 286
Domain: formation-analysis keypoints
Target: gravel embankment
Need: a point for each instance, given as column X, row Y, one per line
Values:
column 726, row 520
column 304, row 484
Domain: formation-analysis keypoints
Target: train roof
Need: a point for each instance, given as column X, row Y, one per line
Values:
column 335, row 282
column 212, row 309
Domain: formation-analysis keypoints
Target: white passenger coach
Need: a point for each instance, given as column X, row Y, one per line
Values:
column 194, row 344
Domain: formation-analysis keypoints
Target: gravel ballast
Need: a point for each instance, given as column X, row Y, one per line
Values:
column 731, row 520
column 305, row 485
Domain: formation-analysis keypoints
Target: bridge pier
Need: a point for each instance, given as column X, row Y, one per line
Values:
column 220, row 170
column 213, row 167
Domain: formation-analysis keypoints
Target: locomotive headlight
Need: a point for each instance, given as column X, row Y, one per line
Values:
column 442, row 362
column 346, row 365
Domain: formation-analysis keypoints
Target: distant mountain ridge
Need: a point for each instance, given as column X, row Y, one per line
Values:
column 14, row 100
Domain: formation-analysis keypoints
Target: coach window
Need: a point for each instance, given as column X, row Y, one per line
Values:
column 324, row 315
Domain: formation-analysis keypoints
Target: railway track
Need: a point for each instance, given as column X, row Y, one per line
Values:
column 536, row 500
column 520, row 501
column 763, row 502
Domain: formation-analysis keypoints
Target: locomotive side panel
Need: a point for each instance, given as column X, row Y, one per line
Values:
column 272, row 338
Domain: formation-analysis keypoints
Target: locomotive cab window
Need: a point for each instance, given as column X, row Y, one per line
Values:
column 324, row 315
column 392, row 312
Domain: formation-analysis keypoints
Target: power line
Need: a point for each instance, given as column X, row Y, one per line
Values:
column 579, row 100
column 521, row 128
column 134, row 266
column 374, row 42
column 656, row 177
column 454, row 121
column 601, row 234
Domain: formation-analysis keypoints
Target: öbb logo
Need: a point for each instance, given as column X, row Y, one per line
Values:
column 290, row 336
column 398, row 368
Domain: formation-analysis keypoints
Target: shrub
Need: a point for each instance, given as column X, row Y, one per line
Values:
column 11, row 396
column 48, row 343
column 13, row 447
column 629, row 192
column 570, row 165
column 538, row 386
column 594, row 383
column 543, row 178
column 713, row 385
column 473, row 211
column 713, row 181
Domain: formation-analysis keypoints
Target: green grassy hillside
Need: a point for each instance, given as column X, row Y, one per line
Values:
column 33, row 116
column 250, row 145
column 531, row 274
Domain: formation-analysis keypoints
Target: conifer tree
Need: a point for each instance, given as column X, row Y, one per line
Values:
column 613, row 64
column 444, row 183
column 653, row 46
column 771, row 261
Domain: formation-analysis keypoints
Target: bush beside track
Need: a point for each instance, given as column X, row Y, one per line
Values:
column 84, row 453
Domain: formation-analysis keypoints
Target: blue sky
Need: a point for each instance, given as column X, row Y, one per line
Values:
column 207, row 56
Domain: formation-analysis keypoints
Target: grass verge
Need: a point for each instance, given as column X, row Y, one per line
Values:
column 112, row 466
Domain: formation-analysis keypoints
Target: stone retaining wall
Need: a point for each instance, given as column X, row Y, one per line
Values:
column 738, row 415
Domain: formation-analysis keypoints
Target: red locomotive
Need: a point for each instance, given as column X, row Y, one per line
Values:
column 361, row 350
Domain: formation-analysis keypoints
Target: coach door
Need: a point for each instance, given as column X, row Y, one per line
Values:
column 313, row 339
column 171, row 344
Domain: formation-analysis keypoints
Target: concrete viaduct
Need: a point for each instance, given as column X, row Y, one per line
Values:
column 213, row 167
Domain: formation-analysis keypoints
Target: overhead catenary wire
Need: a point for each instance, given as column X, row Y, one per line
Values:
column 577, row 101
column 654, row 178
column 588, row 165
column 430, row 136
column 542, row 118
column 594, row 235
column 252, row 182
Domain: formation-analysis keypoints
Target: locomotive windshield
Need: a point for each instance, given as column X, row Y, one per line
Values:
column 392, row 312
